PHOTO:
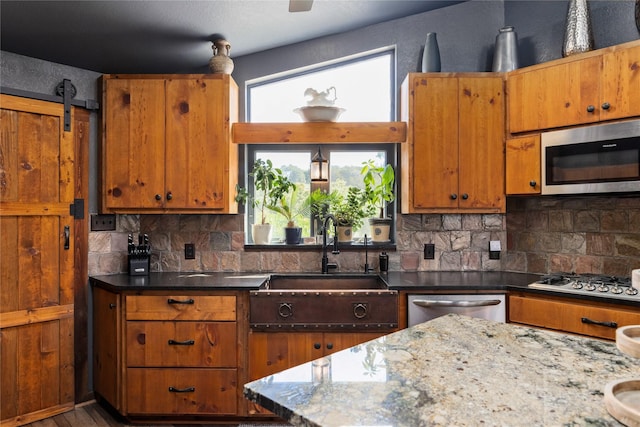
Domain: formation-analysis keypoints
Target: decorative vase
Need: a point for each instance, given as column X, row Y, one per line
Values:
column 578, row 36
column 261, row 234
column 505, row 54
column 221, row 62
column 431, row 54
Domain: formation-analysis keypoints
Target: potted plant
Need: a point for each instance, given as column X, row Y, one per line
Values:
column 285, row 201
column 350, row 212
column 318, row 204
column 379, row 190
column 268, row 183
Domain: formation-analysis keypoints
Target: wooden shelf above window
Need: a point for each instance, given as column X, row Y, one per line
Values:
column 319, row 132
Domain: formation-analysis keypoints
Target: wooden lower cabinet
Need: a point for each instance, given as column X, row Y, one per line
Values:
column 593, row 319
column 271, row 352
column 170, row 355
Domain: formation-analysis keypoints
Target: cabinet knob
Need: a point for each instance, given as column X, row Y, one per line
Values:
column 591, row 109
column 317, row 345
column 169, row 195
column 330, row 346
column 606, row 106
column 112, row 306
column 158, row 197
column 533, row 184
column 454, row 196
column 465, row 196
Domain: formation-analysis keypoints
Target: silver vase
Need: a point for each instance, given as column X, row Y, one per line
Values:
column 578, row 36
column 431, row 54
column 505, row 53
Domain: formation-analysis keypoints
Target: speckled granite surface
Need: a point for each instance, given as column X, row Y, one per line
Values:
column 453, row 370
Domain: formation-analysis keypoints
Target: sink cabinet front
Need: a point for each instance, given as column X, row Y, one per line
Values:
column 167, row 143
column 271, row 352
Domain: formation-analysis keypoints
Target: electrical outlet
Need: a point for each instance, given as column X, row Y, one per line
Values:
column 105, row 222
column 429, row 251
column 189, row 251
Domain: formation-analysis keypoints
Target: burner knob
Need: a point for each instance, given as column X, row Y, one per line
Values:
column 631, row 291
column 616, row 289
column 603, row 288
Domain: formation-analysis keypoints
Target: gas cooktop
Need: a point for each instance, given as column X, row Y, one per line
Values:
column 589, row 284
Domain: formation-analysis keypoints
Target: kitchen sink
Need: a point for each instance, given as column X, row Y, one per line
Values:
column 323, row 302
column 310, row 282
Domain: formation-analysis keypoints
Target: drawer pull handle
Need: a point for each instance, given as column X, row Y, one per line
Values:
column 187, row 342
column 182, row 390
column 445, row 303
column 588, row 321
column 175, row 301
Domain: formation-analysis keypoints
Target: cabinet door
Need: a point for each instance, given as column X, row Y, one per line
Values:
column 337, row 341
column 271, row 352
column 197, row 111
column 523, row 165
column 133, row 143
column 481, row 143
column 555, row 96
column 435, row 142
column 621, row 83
column 106, row 346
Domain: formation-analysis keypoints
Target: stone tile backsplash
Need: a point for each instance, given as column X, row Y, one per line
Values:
column 538, row 235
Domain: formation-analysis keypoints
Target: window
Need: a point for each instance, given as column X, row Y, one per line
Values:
column 365, row 88
column 345, row 164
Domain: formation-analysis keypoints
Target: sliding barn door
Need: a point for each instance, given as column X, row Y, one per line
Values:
column 37, row 179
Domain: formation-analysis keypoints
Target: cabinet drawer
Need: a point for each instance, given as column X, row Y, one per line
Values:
column 183, row 391
column 181, row 344
column 568, row 316
column 181, row 307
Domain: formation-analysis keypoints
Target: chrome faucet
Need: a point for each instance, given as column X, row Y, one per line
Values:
column 326, row 265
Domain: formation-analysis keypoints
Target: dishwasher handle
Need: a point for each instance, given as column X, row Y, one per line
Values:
column 462, row 303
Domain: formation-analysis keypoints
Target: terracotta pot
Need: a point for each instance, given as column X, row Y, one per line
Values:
column 380, row 229
column 345, row 233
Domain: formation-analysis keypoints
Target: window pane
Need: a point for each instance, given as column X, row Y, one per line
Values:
column 344, row 172
column 294, row 165
column 363, row 88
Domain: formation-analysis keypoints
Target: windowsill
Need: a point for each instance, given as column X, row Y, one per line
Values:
column 388, row 246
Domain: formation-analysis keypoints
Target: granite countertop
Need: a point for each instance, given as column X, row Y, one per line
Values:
column 453, row 370
column 183, row 281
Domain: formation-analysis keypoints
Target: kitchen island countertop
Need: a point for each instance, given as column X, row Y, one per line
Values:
column 453, row 370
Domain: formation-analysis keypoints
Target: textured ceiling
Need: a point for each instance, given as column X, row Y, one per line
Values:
column 113, row 36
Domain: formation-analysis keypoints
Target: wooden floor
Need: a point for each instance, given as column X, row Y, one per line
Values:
column 92, row 414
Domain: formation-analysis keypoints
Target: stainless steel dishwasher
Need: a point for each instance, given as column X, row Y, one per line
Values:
column 423, row 307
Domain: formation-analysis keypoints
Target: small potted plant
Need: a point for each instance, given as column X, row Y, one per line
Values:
column 286, row 202
column 269, row 183
column 350, row 212
column 379, row 190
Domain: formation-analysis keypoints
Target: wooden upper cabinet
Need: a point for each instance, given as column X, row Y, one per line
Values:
column 167, row 143
column 523, row 165
column 587, row 88
column 454, row 158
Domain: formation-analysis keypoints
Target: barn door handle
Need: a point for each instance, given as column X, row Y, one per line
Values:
column 67, row 234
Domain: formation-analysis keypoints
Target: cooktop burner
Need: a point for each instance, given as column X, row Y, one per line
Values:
column 592, row 284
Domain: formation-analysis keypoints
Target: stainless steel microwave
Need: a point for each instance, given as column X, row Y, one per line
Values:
column 592, row 159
